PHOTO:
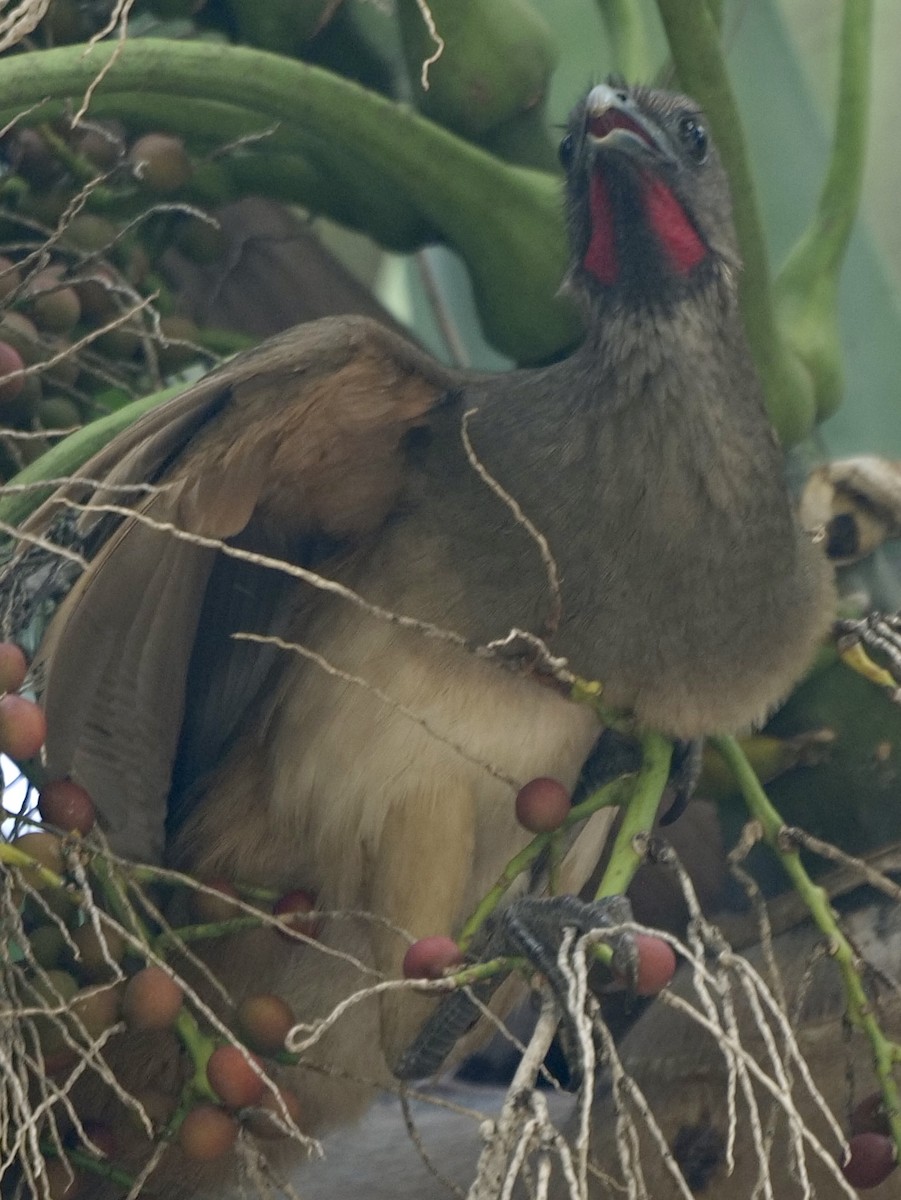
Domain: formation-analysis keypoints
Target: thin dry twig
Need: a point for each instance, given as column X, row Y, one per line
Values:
column 436, row 37
column 21, row 21
column 385, row 698
column 118, row 21
column 552, row 621
column 415, row 1137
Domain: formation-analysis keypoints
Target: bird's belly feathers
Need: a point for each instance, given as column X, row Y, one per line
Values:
column 415, row 742
column 700, row 625
column 391, row 797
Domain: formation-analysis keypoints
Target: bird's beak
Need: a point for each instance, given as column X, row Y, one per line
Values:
column 614, row 122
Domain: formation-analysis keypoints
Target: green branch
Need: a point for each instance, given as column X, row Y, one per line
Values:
column 860, row 1010
column 625, row 25
column 101, row 1167
column 695, row 46
column 807, row 287
column 347, row 149
column 638, row 816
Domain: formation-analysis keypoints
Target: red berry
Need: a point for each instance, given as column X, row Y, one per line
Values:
column 161, row 163
column 101, row 144
column 21, row 333
column 10, row 360
column 97, row 293
column 13, row 665
column 152, row 999
column 210, row 907
column 47, row 945
column 263, row 1022
column 542, row 805
column 97, row 1008
column 173, row 356
column 159, row 1106
column 65, row 804
column 10, row 276
column 23, row 728
column 871, row 1160
column 296, row 907
column 232, row 1077
column 656, row 964
column 54, row 308
column 869, row 1116
column 44, row 847
column 431, row 957
column 96, row 953
column 207, row 1133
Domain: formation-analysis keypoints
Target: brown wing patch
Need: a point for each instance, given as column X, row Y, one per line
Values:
column 322, row 453
column 303, row 434
column 116, row 654
column 350, row 456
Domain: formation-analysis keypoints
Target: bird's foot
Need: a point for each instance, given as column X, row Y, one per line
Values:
column 532, row 928
column 616, row 753
column 881, row 633
column 685, row 771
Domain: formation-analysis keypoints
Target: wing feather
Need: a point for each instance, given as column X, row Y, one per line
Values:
column 301, row 438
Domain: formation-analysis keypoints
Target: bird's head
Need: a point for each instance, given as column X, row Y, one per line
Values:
column 649, row 210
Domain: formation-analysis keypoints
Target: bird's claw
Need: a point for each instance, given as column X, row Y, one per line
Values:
column 533, row 925
column 879, row 632
column 685, row 771
column 532, row 928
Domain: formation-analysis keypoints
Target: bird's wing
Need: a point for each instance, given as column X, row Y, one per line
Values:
column 296, row 443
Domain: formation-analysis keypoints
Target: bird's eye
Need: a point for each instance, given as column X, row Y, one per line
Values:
column 566, row 151
column 694, row 138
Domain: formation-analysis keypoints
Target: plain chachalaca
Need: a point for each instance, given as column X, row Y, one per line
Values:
column 645, row 459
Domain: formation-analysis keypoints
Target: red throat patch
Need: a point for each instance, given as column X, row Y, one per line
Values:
column 678, row 238
column 600, row 257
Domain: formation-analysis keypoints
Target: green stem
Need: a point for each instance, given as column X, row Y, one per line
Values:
column 198, row 1044
column 638, row 816
column 476, row 972
column 13, row 857
column 204, row 932
column 807, row 286
column 224, row 342
column 695, row 46
column 697, row 52
column 625, row 25
column 860, row 1010
column 98, row 1166
column 200, row 1047
column 716, row 13
column 840, row 199
column 76, row 164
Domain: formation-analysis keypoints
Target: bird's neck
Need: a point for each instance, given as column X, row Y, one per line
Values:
column 629, row 348
column 680, row 379
column 656, row 409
